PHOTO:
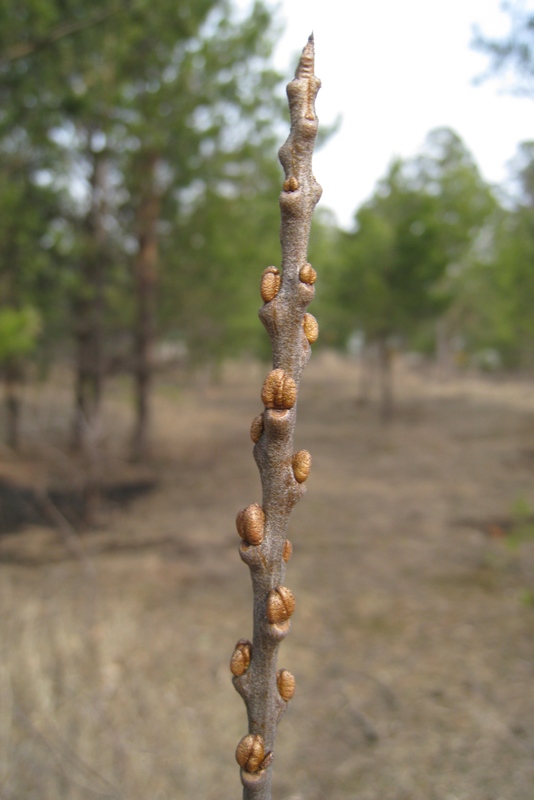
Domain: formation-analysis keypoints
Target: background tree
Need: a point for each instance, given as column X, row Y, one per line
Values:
column 511, row 57
column 205, row 301
column 495, row 294
column 197, row 123
column 30, row 208
column 154, row 112
column 419, row 225
column 504, row 276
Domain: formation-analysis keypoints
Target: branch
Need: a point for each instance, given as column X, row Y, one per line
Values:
column 28, row 48
column 510, row 57
column 263, row 529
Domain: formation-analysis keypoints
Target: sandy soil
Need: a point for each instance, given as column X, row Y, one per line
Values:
column 413, row 639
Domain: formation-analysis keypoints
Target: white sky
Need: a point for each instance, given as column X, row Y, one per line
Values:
column 395, row 69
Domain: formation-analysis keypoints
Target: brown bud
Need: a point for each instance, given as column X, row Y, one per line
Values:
column 301, row 463
column 288, row 550
column 291, row 184
column 250, row 753
column 286, row 684
column 280, row 605
column 240, row 661
column 250, row 523
column 256, row 429
column 279, row 390
column 311, row 328
column 270, row 284
column 307, row 274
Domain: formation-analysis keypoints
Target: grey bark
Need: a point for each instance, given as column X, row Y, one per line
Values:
column 89, row 314
column 265, row 548
column 89, row 309
column 385, row 360
column 146, row 275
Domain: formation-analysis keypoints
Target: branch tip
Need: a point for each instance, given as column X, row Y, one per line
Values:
column 306, row 65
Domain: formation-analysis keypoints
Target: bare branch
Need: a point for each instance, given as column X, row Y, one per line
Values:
column 263, row 529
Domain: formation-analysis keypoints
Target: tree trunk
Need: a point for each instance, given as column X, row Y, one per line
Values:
column 146, row 269
column 89, row 317
column 89, row 334
column 443, row 350
column 12, row 381
column 366, row 363
column 385, row 358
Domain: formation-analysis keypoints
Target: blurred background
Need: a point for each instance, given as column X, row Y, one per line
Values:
column 138, row 209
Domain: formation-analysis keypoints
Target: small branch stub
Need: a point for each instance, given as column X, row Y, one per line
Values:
column 287, row 551
column 256, row 428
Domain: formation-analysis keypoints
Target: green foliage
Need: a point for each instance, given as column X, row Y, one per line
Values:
column 207, row 298
column 30, row 210
column 19, row 329
column 496, row 289
column 523, row 524
column 522, row 533
column 139, row 98
column 417, row 228
column 103, row 104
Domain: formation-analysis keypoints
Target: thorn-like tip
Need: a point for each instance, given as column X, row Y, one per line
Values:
column 307, row 60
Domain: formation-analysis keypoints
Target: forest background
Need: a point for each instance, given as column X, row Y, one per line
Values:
column 138, row 208
column 139, row 184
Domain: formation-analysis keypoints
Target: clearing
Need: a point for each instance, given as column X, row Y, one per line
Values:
column 413, row 639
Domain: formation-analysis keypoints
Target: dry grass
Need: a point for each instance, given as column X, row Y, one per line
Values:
column 412, row 649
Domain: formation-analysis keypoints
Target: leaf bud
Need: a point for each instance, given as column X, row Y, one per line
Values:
column 307, row 274
column 285, row 681
column 250, row 524
column 280, row 605
column 311, row 328
column 240, row 661
column 250, row 753
column 270, row 284
column 279, row 390
column 301, row 463
column 291, row 184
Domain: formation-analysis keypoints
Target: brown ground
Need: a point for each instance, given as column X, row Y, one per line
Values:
column 413, row 640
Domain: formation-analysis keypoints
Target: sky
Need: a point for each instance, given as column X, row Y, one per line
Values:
column 393, row 70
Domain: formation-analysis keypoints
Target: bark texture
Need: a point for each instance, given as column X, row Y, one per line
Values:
column 263, row 529
column 89, row 315
column 146, row 276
